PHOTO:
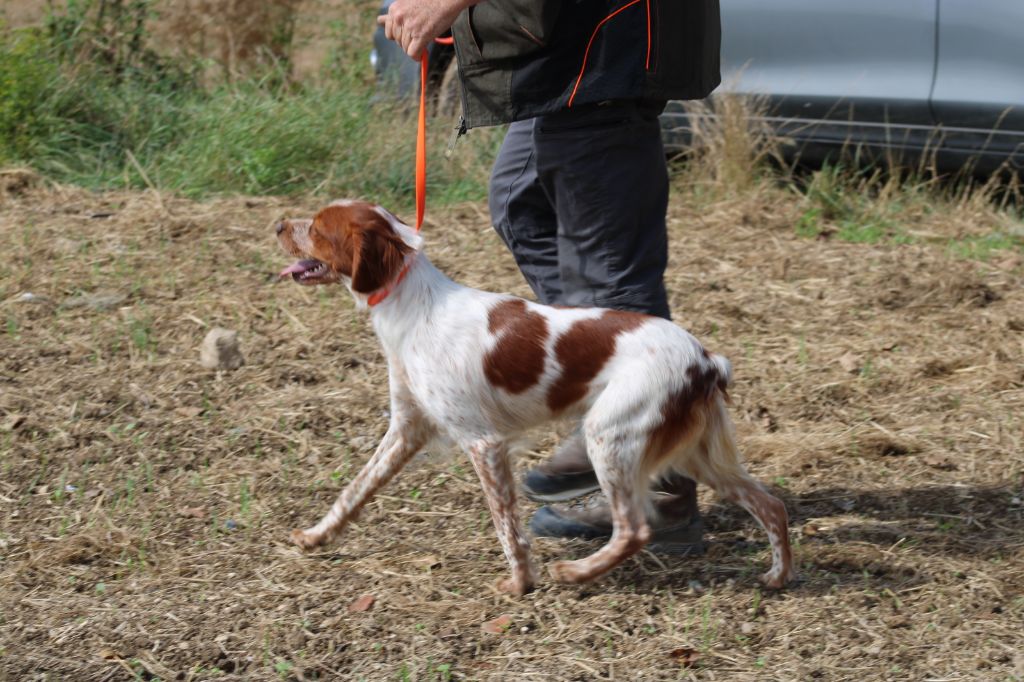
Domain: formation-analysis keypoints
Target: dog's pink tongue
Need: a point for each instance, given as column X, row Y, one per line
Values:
column 295, row 268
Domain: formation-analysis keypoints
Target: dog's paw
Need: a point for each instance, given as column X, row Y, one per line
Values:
column 777, row 581
column 566, row 572
column 516, row 587
column 305, row 540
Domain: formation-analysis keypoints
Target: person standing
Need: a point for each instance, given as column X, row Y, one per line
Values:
column 579, row 190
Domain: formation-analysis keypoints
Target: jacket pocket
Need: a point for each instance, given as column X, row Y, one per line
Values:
column 514, row 28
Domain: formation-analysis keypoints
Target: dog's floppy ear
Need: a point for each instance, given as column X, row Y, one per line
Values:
column 379, row 255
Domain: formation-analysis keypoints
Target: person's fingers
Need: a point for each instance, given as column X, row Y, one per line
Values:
column 412, row 38
column 415, row 47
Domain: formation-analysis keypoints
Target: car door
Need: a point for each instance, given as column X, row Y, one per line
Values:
column 980, row 73
column 871, row 60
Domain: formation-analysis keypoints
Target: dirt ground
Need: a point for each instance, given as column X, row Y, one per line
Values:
column 145, row 502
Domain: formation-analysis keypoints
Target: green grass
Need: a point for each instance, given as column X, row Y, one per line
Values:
column 869, row 207
column 983, row 247
column 77, row 121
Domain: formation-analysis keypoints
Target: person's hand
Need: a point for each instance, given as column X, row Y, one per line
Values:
column 414, row 23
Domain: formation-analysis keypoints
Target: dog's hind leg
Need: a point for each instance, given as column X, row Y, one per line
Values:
column 716, row 462
column 770, row 512
column 617, row 464
column 491, row 461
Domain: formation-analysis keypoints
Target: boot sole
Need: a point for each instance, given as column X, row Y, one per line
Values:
column 687, row 541
column 561, row 495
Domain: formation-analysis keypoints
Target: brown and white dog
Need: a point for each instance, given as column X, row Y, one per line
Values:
column 480, row 368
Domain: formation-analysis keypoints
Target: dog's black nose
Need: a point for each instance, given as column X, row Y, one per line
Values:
column 279, row 228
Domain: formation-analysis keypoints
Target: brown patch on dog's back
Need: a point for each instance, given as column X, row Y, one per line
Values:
column 583, row 350
column 517, row 361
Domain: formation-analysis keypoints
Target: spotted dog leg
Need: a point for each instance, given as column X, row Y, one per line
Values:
column 617, row 464
column 722, row 469
column 770, row 512
column 396, row 448
column 629, row 536
column 491, row 462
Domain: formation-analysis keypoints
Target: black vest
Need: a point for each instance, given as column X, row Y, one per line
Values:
column 521, row 58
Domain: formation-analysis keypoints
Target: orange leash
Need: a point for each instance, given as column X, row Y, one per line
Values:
column 421, row 178
column 421, row 146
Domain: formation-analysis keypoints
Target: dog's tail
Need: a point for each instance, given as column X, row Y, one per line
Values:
column 716, row 456
column 723, row 371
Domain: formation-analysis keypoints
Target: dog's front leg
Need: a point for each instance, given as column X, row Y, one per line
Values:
column 492, row 466
column 397, row 447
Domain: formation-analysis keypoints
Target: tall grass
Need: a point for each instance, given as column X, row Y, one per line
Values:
column 77, row 114
column 734, row 158
column 731, row 151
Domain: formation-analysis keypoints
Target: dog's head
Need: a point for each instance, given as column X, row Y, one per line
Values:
column 353, row 242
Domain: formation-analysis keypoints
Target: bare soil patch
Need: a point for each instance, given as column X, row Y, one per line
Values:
column 145, row 502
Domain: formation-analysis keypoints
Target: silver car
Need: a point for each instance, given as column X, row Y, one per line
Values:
column 890, row 78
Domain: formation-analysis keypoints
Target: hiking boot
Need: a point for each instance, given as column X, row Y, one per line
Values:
column 565, row 475
column 677, row 530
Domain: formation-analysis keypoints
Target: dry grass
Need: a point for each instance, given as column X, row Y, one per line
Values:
column 145, row 502
column 237, row 35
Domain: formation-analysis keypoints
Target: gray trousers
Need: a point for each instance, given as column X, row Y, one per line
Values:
column 579, row 197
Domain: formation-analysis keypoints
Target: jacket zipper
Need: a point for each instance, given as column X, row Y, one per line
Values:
column 458, row 131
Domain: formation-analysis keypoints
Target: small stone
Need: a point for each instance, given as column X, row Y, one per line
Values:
column 220, row 350
column 29, row 297
column 97, row 301
column 747, row 627
column 231, row 524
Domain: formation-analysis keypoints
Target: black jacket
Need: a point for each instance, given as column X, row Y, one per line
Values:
column 523, row 58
